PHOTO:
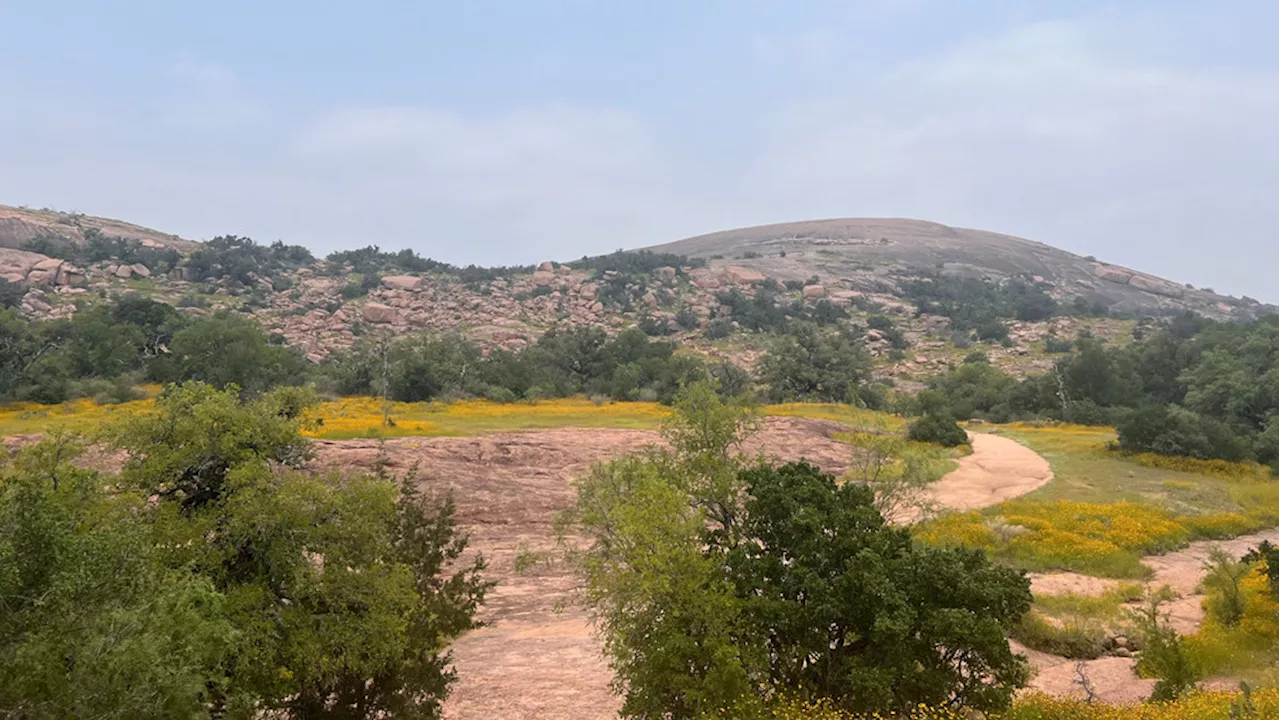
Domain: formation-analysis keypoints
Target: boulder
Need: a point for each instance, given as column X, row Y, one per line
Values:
column 141, row 270
column 402, row 282
column 587, row 290
column 667, row 273
column 124, row 271
column 813, row 291
column 378, row 313
column 741, row 275
column 70, row 275
column 1111, row 273
column 707, row 283
column 543, row 278
column 1155, row 285
column 547, row 266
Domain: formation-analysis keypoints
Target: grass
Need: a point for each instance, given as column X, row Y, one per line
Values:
column 1074, row 638
column 847, row 414
column 1247, row 648
column 1075, row 625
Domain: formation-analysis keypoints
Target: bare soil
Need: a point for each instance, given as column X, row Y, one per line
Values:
column 998, row 469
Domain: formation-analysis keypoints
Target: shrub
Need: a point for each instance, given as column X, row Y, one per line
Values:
column 939, row 429
column 992, row 330
column 1058, row 345
column 718, row 328
column 1164, row 652
column 11, row 294
column 1174, row 431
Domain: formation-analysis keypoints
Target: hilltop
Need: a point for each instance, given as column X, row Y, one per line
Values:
column 869, row 253
column 21, row 225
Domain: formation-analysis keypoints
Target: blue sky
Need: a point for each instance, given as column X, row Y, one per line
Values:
column 508, row 132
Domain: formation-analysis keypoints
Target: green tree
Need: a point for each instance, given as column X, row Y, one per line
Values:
column 715, row 585
column 666, row 610
column 201, row 434
column 810, row 364
column 225, row 350
column 851, row 610
column 347, row 591
column 92, row 622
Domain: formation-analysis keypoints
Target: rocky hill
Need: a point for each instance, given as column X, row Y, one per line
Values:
column 869, row 253
column 20, row 225
column 719, row 295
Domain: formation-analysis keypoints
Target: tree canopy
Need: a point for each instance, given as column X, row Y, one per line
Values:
column 720, row 582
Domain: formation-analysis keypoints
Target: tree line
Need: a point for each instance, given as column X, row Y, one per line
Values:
column 1190, row 387
column 105, row 349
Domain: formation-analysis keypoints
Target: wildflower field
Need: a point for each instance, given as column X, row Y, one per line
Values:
column 1199, row 705
column 1246, row 648
column 358, row 417
column 1103, row 510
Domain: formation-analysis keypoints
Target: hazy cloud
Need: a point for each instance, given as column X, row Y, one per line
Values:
column 1063, row 132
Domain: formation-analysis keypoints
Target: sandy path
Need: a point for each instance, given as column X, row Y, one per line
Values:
column 998, row 469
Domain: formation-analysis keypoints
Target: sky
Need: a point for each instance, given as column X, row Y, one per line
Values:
column 1144, row 133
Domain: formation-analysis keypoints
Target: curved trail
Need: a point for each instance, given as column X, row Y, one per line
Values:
column 998, row 469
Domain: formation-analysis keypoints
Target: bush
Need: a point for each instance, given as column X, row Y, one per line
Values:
column 1175, row 431
column 1057, row 345
column 718, row 329
column 938, row 429
column 993, row 329
column 11, row 294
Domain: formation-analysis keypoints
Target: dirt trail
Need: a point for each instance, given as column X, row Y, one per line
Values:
column 998, row 469
column 1113, row 677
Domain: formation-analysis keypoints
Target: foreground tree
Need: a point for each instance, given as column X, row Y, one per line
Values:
column 216, row 578
column 851, row 610
column 93, row 623
column 716, row 584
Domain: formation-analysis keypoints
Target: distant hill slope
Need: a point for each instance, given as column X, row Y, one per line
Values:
column 21, row 225
column 871, row 251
